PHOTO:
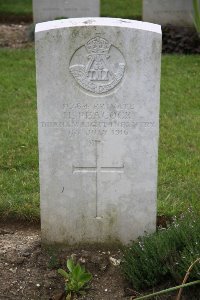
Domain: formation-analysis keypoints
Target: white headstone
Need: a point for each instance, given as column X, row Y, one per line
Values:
column 48, row 10
column 173, row 12
column 98, row 84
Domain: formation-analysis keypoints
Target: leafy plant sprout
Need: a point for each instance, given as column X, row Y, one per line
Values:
column 76, row 279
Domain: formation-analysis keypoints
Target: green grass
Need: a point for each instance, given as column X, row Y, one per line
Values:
column 18, row 134
column 179, row 152
column 16, row 7
column 127, row 9
column 109, row 8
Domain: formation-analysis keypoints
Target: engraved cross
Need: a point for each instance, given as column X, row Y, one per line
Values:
column 97, row 170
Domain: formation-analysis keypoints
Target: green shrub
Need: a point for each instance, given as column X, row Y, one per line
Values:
column 165, row 254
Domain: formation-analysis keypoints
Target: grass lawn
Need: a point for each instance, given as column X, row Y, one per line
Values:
column 179, row 152
column 109, row 8
column 16, row 7
column 127, row 9
column 18, row 134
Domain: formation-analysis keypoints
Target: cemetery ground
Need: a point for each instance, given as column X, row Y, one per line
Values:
column 29, row 271
column 26, row 268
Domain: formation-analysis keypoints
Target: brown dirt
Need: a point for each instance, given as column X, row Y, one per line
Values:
column 29, row 272
column 17, row 19
column 15, row 36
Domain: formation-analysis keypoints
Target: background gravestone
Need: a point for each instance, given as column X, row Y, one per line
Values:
column 174, row 12
column 47, row 10
column 98, row 84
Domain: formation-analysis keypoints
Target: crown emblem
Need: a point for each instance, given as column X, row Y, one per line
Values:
column 98, row 45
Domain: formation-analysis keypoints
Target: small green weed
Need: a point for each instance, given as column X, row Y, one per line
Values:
column 165, row 254
column 76, row 279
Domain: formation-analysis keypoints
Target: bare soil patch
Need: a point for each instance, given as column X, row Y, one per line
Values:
column 15, row 36
column 29, row 272
column 13, row 18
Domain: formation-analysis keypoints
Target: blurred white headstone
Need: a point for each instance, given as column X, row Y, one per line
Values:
column 173, row 12
column 48, row 10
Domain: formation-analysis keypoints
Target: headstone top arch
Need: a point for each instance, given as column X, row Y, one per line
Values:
column 95, row 21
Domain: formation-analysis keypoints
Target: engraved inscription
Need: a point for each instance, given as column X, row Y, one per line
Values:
column 102, row 66
column 97, row 169
column 96, row 120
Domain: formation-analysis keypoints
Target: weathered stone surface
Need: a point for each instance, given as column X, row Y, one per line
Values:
column 98, row 84
column 164, row 12
column 48, row 10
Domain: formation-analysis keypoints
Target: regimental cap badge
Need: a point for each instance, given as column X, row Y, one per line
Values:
column 98, row 45
column 100, row 69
